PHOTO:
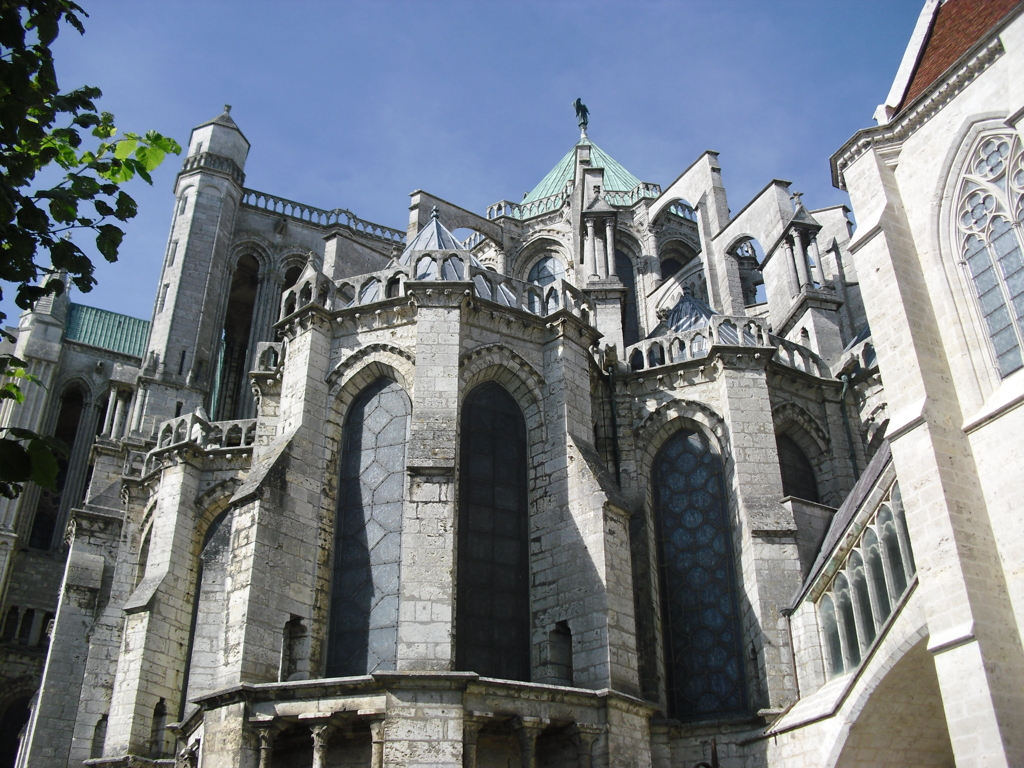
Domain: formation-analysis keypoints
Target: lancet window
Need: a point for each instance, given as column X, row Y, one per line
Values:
column 492, row 630
column 545, row 272
column 701, row 633
column 363, row 635
column 873, row 578
column 989, row 212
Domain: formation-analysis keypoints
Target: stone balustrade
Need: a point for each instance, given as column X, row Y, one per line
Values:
column 449, row 266
column 639, row 192
column 319, row 216
column 216, row 163
column 534, row 208
column 683, row 210
column 800, row 357
column 723, row 330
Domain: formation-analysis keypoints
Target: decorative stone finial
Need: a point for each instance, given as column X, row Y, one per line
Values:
column 795, row 197
column 582, row 116
column 227, row 109
column 434, row 213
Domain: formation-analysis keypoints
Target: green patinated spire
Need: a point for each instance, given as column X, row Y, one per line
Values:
column 616, row 178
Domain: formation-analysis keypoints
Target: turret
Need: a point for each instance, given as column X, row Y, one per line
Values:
column 184, row 346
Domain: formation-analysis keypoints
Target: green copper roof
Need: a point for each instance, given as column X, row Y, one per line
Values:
column 107, row 330
column 616, row 178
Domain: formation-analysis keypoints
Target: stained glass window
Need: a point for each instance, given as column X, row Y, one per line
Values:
column 988, row 221
column 368, row 530
column 492, row 631
column 701, row 629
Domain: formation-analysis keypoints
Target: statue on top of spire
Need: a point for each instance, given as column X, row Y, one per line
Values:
column 582, row 116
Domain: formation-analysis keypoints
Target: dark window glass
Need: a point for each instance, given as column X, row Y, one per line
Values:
column 797, row 473
column 368, row 532
column 701, row 628
column 492, row 615
column 630, row 318
column 72, row 403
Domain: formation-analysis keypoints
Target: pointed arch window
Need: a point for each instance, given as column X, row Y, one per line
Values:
column 989, row 211
column 797, row 473
column 545, row 272
column 492, row 631
column 363, row 633
column 702, row 637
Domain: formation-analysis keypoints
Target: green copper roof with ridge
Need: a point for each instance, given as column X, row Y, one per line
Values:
column 106, row 330
column 616, row 178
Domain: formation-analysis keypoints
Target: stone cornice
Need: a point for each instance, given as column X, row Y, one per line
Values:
column 926, row 106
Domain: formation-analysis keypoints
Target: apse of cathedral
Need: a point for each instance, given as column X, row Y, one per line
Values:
column 621, row 474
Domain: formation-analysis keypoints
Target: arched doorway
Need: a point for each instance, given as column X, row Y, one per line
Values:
column 903, row 718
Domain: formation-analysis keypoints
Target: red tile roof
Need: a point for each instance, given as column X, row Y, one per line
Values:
column 957, row 26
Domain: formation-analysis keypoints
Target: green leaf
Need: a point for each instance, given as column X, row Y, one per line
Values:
column 150, row 157
column 103, row 208
column 44, row 465
column 108, row 241
column 15, row 461
column 11, row 391
column 124, row 148
column 126, row 207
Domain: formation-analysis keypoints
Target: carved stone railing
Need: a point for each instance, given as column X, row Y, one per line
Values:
column 216, row 163
column 639, row 192
column 683, row 211
column 800, row 357
column 319, row 216
column 724, row 330
column 473, row 241
column 221, row 436
column 529, row 210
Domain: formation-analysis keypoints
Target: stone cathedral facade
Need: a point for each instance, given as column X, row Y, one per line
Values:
column 618, row 476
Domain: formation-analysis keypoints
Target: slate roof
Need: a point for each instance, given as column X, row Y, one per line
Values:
column 843, row 516
column 106, row 330
column 616, row 178
column 433, row 237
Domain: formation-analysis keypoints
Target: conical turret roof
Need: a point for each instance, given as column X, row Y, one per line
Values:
column 433, row 237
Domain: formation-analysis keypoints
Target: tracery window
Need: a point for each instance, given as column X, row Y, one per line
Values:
column 368, row 528
column 989, row 234
column 702, row 639
column 492, row 630
column 873, row 578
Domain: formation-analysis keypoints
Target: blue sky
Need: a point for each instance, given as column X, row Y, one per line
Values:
column 357, row 104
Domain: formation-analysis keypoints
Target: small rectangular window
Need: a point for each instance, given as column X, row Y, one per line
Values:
column 163, row 297
column 177, row 408
column 181, row 362
column 172, row 252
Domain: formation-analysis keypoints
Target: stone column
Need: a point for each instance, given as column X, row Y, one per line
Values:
column 470, row 732
column 600, row 247
column 141, row 397
column 590, row 252
column 528, row 729
column 121, row 402
column 609, row 239
column 321, row 743
column 108, row 421
column 584, row 739
column 377, row 742
column 266, row 746
column 819, row 272
column 800, row 258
